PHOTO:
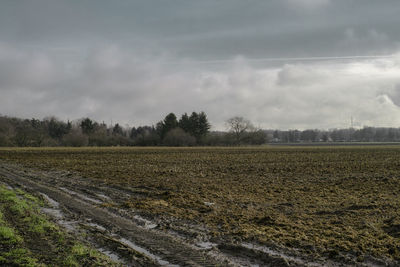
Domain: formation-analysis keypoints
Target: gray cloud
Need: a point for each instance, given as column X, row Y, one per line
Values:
column 114, row 84
column 207, row 29
column 135, row 61
column 308, row 4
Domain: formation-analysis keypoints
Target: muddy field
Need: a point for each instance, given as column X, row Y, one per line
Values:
column 313, row 206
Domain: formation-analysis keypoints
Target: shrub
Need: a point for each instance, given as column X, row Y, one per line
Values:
column 178, row 137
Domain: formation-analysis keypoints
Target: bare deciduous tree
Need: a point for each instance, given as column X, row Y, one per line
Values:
column 238, row 126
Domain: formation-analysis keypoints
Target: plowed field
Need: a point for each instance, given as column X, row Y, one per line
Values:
column 306, row 204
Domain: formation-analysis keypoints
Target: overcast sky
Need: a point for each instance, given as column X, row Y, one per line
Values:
column 280, row 63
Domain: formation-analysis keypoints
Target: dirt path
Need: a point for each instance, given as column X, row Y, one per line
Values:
column 81, row 205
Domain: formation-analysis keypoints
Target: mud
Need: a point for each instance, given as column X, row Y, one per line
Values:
column 82, row 205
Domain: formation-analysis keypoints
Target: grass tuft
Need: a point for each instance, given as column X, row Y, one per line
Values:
column 42, row 241
column 8, row 236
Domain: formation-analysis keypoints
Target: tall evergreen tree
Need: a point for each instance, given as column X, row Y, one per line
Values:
column 117, row 130
column 199, row 125
column 87, row 126
column 194, row 124
column 203, row 124
column 57, row 129
column 170, row 122
column 185, row 123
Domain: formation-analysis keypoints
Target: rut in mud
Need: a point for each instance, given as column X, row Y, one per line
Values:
column 158, row 247
column 81, row 206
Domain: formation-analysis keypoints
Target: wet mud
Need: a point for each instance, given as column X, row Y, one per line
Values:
column 86, row 207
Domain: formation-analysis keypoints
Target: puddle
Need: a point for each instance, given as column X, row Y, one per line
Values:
column 110, row 254
column 96, row 201
column 53, row 213
column 70, row 226
column 97, row 226
column 49, row 200
column 272, row 252
column 147, row 224
column 206, row 245
column 146, row 252
column 56, row 213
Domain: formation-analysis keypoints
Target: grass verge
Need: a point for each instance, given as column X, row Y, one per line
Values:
column 28, row 238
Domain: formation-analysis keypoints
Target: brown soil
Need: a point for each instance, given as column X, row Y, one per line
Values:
column 157, row 240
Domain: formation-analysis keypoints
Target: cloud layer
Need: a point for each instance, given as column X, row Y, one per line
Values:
column 135, row 61
column 115, row 84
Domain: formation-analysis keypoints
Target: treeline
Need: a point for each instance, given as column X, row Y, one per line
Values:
column 366, row 134
column 188, row 130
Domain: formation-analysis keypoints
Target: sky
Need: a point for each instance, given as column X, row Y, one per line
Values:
column 283, row 64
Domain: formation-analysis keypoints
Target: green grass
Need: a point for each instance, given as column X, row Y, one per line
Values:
column 83, row 255
column 8, row 236
column 39, row 224
column 11, row 242
column 28, row 238
column 18, row 257
column 29, row 197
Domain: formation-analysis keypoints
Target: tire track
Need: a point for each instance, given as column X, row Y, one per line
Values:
column 168, row 249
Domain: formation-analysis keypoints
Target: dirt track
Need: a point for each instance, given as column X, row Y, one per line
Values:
column 130, row 238
column 166, row 249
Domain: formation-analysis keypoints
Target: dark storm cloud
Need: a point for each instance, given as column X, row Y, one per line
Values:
column 135, row 61
column 209, row 28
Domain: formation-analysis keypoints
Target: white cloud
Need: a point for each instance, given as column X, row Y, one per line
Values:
column 113, row 83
